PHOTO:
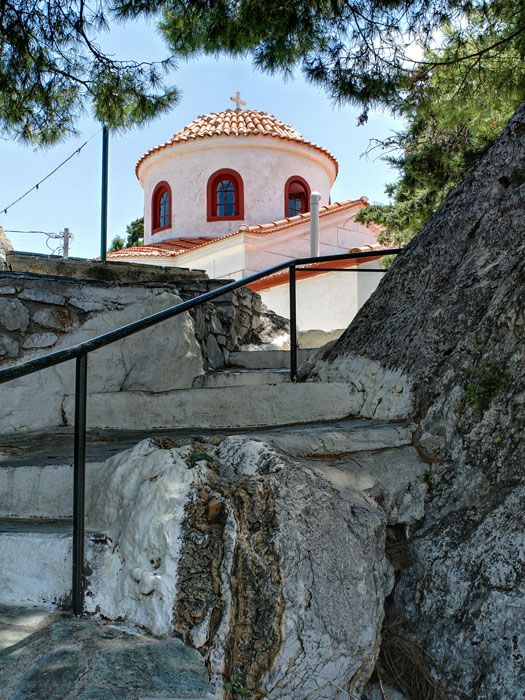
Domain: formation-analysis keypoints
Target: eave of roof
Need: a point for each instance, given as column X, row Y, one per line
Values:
column 314, row 269
column 179, row 246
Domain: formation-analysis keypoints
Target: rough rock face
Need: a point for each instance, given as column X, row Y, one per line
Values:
column 273, row 573
column 442, row 342
column 5, row 247
column 66, row 658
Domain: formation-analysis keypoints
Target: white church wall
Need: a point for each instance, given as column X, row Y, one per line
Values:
column 367, row 283
column 264, row 163
column 266, row 250
column 327, row 302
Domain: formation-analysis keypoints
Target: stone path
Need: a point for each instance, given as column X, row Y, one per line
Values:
column 54, row 656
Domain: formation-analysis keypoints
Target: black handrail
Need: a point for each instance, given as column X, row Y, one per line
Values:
column 81, row 351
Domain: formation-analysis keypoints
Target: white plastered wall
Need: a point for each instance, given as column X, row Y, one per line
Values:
column 326, row 302
column 264, row 163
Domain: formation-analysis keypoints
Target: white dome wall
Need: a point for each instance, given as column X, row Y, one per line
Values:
column 264, row 163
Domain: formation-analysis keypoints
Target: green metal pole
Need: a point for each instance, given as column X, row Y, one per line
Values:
column 104, row 199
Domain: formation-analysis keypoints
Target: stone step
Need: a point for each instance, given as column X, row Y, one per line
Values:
column 241, row 377
column 267, row 359
column 236, row 407
column 35, row 561
column 37, row 482
column 339, row 438
column 37, row 491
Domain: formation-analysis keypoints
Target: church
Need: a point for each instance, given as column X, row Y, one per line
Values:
column 230, row 194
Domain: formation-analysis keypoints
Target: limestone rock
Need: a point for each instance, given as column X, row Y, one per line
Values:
column 8, row 346
column 55, row 318
column 445, row 330
column 215, row 356
column 13, row 315
column 43, row 297
column 277, row 577
column 159, row 359
column 39, row 340
column 89, row 659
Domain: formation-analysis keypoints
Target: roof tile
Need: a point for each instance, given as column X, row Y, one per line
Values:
column 244, row 122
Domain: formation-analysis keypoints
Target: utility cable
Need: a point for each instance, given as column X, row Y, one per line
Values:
column 35, row 187
column 45, row 233
column 49, row 237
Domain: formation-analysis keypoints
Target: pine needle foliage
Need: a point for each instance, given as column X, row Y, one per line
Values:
column 52, row 70
column 454, row 114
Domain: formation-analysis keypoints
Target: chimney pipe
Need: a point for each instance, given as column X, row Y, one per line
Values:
column 315, row 199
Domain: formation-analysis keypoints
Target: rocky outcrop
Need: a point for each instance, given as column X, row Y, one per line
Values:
column 274, row 573
column 442, row 342
column 67, row 658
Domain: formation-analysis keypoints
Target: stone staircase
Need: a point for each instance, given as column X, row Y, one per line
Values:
column 252, row 395
column 36, row 496
column 253, row 391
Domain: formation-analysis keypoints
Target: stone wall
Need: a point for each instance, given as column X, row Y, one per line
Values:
column 42, row 313
column 39, row 313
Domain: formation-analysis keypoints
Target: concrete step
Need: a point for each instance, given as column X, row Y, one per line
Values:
column 241, row 377
column 236, row 407
column 35, row 561
column 36, row 491
column 267, row 359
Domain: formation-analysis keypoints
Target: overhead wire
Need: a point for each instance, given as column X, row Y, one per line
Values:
column 46, row 233
column 4, row 210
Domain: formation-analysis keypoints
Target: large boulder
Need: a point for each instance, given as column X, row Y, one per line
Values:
column 441, row 342
column 273, row 573
column 159, row 359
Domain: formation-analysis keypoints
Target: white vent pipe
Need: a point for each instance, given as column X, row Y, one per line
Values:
column 315, row 199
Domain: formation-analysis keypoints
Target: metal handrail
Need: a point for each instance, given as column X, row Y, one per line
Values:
column 80, row 354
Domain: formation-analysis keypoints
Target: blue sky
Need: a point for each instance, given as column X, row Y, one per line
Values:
column 72, row 196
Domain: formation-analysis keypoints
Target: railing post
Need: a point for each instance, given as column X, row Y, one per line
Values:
column 79, row 483
column 293, row 325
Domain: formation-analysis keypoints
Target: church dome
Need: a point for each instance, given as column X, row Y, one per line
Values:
column 239, row 167
column 236, row 123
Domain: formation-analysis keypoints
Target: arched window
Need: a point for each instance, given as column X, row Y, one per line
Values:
column 225, row 196
column 296, row 196
column 161, row 207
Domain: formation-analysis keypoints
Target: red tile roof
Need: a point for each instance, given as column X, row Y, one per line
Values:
column 237, row 123
column 164, row 249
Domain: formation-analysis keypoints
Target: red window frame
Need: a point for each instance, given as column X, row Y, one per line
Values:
column 289, row 183
column 159, row 190
column 238, row 186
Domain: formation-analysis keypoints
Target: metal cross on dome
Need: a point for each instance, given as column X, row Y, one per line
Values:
column 238, row 101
